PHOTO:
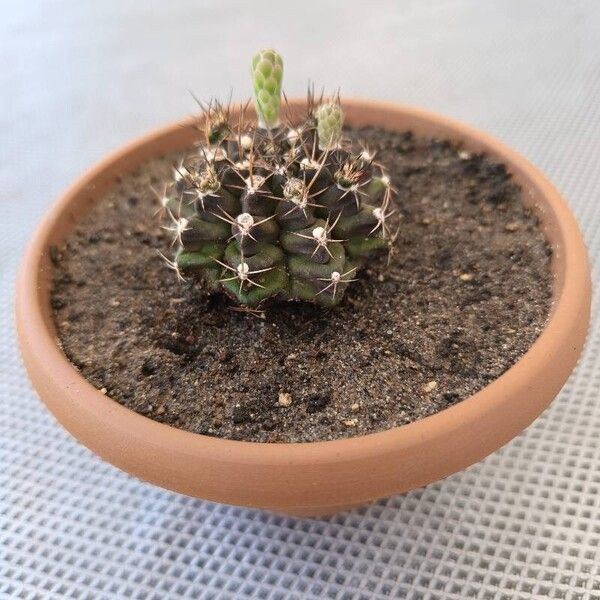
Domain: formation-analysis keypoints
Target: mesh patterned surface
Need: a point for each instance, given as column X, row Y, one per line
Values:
column 78, row 79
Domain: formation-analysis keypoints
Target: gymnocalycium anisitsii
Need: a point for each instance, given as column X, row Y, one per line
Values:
column 277, row 208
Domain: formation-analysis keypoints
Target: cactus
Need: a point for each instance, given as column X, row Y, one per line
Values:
column 267, row 211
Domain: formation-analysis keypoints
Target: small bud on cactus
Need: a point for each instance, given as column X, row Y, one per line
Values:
column 267, row 74
column 330, row 119
column 284, row 213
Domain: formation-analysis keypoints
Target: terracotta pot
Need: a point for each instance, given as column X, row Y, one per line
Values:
column 319, row 477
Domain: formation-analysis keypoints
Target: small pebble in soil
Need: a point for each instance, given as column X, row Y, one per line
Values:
column 429, row 386
column 450, row 397
column 150, row 366
column 240, row 414
column 284, row 399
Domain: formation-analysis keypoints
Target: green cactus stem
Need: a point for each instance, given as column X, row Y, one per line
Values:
column 287, row 214
column 267, row 75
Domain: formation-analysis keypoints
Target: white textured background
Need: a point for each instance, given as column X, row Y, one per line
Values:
column 78, row 79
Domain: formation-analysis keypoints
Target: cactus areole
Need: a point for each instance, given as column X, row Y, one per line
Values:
column 275, row 208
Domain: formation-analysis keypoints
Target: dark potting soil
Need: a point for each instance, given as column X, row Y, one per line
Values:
column 466, row 294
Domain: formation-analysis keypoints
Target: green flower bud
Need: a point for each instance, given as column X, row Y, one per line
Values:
column 267, row 74
column 330, row 119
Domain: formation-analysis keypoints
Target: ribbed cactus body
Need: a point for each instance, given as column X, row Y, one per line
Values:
column 258, row 230
column 263, row 211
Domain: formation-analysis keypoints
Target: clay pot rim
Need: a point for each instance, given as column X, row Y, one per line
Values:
column 571, row 267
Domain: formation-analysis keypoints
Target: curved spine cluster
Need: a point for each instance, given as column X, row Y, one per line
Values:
column 266, row 210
